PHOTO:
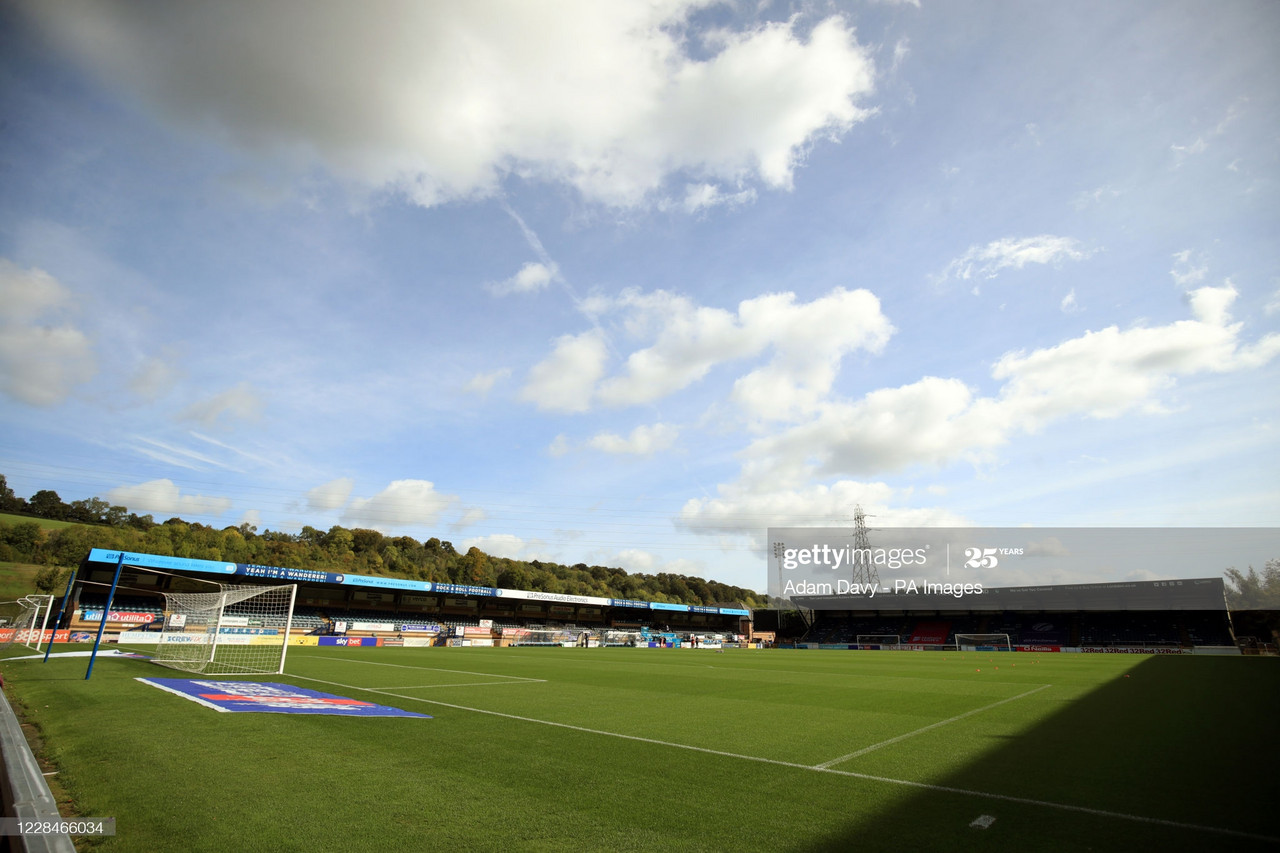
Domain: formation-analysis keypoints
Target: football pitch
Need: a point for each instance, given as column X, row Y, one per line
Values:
column 691, row 750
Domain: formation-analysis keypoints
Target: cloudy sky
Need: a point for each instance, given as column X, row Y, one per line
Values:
column 626, row 283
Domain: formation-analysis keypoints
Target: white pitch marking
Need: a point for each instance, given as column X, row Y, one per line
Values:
column 466, row 684
column 983, row 821
column 846, row 773
column 924, row 729
column 427, row 668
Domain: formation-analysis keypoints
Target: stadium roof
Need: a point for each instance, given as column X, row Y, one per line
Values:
column 313, row 576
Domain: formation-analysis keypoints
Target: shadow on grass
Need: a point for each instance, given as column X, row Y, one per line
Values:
column 1180, row 739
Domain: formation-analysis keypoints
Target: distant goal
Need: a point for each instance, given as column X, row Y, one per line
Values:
column 21, row 623
column 884, row 641
column 236, row 630
column 983, row 643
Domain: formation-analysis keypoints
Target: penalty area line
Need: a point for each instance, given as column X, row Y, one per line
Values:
column 907, row 783
column 923, row 729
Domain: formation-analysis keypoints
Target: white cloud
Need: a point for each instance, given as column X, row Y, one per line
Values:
column 559, row 446
column 607, row 97
column 643, row 440
column 163, row 497
column 1085, row 198
column 402, row 503
column 238, row 403
column 563, row 382
column 808, row 341
column 472, row 516
column 690, row 340
column 1068, row 305
column 1273, row 304
column 1013, row 253
column 156, row 377
column 936, row 421
column 330, row 496
column 531, row 278
column 508, row 545
column 482, row 383
column 1186, row 272
column 703, row 196
column 749, row 506
column 42, row 356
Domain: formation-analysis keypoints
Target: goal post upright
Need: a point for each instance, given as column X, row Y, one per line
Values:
column 288, row 626
column 48, row 606
column 217, row 628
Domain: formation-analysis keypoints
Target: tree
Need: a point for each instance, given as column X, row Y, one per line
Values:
column 513, row 577
column 25, row 537
column 88, row 511
column 51, row 579
column 46, row 504
column 9, row 502
column 1252, row 591
column 338, row 541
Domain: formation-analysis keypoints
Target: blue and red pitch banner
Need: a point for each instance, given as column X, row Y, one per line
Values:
column 272, row 698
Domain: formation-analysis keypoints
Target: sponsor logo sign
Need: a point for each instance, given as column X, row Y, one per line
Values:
column 119, row 616
column 271, row 698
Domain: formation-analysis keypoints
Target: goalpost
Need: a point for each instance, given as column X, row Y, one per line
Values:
column 239, row 629
column 983, row 642
column 881, row 640
column 18, row 621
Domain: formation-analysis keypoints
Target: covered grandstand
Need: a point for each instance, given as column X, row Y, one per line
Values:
column 352, row 609
column 1155, row 616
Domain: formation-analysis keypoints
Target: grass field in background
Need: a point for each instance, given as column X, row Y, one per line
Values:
column 688, row 750
column 45, row 523
column 17, row 580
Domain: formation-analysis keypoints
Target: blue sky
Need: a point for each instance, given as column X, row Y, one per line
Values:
column 627, row 283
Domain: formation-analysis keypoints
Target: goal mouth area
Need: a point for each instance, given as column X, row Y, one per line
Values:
column 240, row 629
column 983, row 642
column 881, row 640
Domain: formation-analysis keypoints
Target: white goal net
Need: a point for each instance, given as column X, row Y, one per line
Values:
column 20, row 622
column 983, row 642
column 237, row 630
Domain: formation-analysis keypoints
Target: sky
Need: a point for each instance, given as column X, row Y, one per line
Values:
column 628, row 283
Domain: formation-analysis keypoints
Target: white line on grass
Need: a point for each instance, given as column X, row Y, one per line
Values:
column 924, row 729
column 1217, row 830
column 465, row 684
column 407, row 666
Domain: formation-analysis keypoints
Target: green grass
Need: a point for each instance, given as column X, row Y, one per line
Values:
column 45, row 523
column 638, row 749
column 17, row 580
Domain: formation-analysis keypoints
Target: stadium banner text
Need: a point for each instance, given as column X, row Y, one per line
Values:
column 1011, row 568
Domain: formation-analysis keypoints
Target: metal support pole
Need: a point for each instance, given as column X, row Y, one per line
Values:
column 66, row 596
column 102, row 626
